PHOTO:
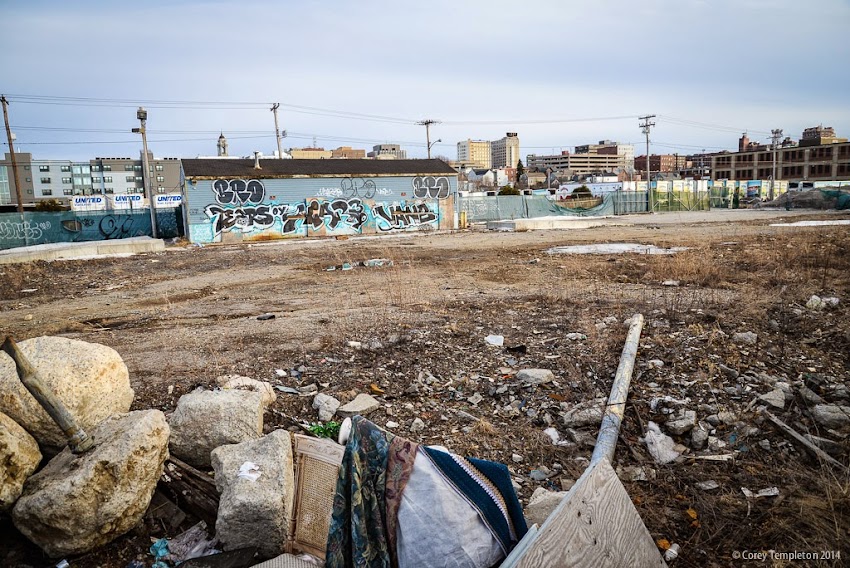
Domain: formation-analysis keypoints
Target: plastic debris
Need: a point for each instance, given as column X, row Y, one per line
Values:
column 249, row 471
column 287, row 390
column 495, row 340
column 661, row 447
column 265, row 317
column 672, row 552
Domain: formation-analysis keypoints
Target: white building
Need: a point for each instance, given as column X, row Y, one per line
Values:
column 505, row 151
column 475, row 153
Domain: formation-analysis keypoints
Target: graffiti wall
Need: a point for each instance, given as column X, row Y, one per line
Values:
column 223, row 210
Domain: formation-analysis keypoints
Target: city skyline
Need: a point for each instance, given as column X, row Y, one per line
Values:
column 707, row 71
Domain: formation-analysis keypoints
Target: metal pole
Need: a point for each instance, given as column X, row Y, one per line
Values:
column 428, row 137
column 146, row 174
column 17, row 178
column 78, row 440
column 277, row 131
column 609, row 431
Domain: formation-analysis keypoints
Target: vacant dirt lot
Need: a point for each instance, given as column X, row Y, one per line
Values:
column 182, row 318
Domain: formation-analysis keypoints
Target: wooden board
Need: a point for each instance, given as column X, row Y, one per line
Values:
column 595, row 525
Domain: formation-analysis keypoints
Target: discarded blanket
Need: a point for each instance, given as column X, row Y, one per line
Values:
column 459, row 512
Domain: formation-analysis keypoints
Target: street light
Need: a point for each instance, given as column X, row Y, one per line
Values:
column 431, row 145
column 142, row 115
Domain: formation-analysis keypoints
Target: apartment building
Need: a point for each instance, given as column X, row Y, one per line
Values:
column 804, row 163
column 310, row 154
column 62, row 179
column 475, row 154
column 608, row 147
column 504, row 152
column 348, row 153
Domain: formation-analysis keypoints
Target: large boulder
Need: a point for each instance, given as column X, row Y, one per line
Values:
column 19, row 457
column 257, row 485
column 541, row 505
column 80, row 502
column 207, row 419
column 90, row 379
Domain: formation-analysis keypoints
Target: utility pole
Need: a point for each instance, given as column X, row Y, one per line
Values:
column 427, row 124
column 142, row 115
column 646, row 125
column 18, row 194
column 277, row 131
column 776, row 135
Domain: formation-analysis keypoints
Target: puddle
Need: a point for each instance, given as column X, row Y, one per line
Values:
column 812, row 223
column 615, row 248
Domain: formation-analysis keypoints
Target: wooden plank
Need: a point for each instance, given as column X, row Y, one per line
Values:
column 595, row 525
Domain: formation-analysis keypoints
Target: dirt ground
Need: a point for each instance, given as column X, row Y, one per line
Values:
column 181, row 318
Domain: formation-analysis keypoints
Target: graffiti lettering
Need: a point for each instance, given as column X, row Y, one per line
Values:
column 430, row 187
column 329, row 192
column 332, row 213
column 116, row 226
column 23, row 230
column 394, row 217
column 239, row 191
column 259, row 218
column 358, row 187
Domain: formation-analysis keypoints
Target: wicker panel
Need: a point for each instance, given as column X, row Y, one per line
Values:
column 317, row 463
column 285, row 561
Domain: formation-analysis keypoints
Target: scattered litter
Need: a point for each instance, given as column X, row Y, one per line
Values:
column 661, row 447
column 614, row 248
column 576, row 336
column 265, row 317
column 29, row 290
column 670, row 283
column 249, row 471
column 280, row 373
column 812, row 223
column 768, row 492
column 346, row 266
column 553, row 435
column 495, row 340
column 672, row 553
column 62, row 564
column 707, row 485
column 287, row 390
column 371, row 263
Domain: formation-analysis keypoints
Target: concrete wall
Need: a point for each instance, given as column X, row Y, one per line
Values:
column 226, row 210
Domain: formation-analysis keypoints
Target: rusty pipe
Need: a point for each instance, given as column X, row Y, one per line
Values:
column 78, row 440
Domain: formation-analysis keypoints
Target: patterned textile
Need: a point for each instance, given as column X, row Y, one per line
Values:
column 374, row 470
column 399, row 468
column 487, row 487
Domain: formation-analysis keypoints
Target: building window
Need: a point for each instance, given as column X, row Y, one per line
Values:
column 27, row 168
column 107, row 179
column 45, row 180
column 47, row 191
column 159, row 167
column 107, row 168
column 160, row 189
column 29, row 180
column 137, row 168
column 96, row 180
column 44, row 168
column 160, row 178
column 109, row 190
column 130, row 179
column 67, row 191
column 128, row 167
column 95, row 168
column 65, row 168
column 138, row 178
column 66, row 180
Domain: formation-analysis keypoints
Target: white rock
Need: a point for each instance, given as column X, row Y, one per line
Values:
column 355, row 345
column 585, row 414
column 553, row 434
column 495, row 340
column 417, row 425
column 392, row 424
column 80, row 502
column 541, row 505
column 362, row 404
column 707, row 485
column 249, row 384
column 682, row 423
column 747, row 338
column 19, row 458
column 516, row 458
column 535, row 376
column 326, row 405
column 205, row 420
column 699, row 435
column 576, row 337
column 255, row 513
column 815, row 303
column 655, row 364
column 90, row 379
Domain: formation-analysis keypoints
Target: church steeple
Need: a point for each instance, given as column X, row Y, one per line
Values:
column 222, row 145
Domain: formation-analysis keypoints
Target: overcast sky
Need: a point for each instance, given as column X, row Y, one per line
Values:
column 730, row 65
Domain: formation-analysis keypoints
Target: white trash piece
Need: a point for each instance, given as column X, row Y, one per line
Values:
column 495, row 340
column 249, row 471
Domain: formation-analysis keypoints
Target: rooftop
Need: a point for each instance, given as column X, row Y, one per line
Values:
column 289, row 168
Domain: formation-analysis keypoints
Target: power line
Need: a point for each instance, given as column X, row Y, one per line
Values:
column 706, row 125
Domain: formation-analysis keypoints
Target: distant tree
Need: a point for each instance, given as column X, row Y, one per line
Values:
column 443, row 158
column 582, row 191
column 520, row 169
column 49, row 205
column 508, row 190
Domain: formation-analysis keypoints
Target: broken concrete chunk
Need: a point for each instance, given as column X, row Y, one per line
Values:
column 699, row 435
column 535, row 376
column 746, row 338
column 585, row 414
column 362, row 404
column 249, row 384
column 90, row 379
column 19, row 458
column 775, row 398
column 205, row 420
column 831, row 415
column 80, row 502
column 255, row 512
column 417, row 425
column 707, row 485
column 541, row 505
column 682, row 423
column 326, row 405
